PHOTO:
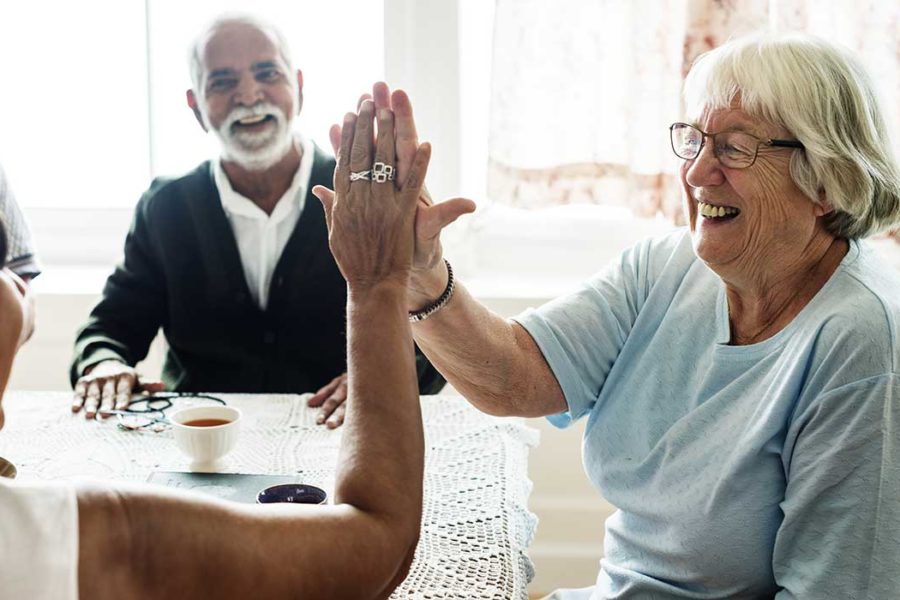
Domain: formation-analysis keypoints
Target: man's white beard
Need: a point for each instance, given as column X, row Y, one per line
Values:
column 255, row 151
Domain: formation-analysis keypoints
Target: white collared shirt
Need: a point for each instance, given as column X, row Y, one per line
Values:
column 260, row 237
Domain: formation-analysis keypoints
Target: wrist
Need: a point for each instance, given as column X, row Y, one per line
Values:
column 421, row 314
column 391, row 291
column 426, row 286
column 106, row 363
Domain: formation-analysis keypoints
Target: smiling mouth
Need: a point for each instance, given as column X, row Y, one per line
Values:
column 253, row 121
column 717, row 213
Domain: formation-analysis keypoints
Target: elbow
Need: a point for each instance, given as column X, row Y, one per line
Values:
column 403, row 542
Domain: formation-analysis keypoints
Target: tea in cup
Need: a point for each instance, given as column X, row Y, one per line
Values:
column 206, row 433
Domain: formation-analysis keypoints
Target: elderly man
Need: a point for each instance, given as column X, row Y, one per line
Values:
column 232, row 259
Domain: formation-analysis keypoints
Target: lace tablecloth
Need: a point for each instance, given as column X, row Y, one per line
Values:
column 476, row 527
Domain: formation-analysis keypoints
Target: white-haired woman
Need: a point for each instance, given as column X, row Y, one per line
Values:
column 741, row 377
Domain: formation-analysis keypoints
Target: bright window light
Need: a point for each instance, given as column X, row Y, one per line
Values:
column 93, row 97
column 337, row 45
column 74, row 102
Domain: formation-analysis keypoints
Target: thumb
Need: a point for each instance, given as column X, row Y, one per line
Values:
column 326, row 197
column 430, row 220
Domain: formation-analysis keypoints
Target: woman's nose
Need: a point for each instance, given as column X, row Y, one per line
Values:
column 704, row 170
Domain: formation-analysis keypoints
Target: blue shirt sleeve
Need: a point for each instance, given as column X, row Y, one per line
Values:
column 840, row 537
column 581, row 334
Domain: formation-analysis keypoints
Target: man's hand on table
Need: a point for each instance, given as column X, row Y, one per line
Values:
column 108, row 386
column 331, row 398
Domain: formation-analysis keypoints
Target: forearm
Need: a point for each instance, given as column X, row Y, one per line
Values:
column 493, row 362
column 155, row 543
column 381, row 462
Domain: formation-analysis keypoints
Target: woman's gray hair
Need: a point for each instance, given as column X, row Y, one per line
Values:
column 821, row 94
column 195, row 60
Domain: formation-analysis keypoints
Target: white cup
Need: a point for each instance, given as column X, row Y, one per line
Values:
column 203, row 443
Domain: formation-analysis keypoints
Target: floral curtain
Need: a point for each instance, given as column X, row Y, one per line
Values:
column 583, row 91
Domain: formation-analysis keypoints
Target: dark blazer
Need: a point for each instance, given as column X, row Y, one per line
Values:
column 182, row 272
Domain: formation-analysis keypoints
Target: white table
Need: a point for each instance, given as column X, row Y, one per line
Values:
column 476, row 526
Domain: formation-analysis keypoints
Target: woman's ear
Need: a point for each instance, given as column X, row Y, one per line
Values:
column 823, row 206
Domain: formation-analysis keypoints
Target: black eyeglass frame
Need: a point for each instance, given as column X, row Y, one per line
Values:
column 153, row 407
column 759, row 142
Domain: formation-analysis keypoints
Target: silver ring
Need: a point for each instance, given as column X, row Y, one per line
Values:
column 359, row 175
column 382, row 173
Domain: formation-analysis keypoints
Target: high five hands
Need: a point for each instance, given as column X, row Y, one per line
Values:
column 428, row 276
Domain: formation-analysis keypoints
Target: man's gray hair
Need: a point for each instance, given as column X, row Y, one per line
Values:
column 822, row 94
column 195, row 59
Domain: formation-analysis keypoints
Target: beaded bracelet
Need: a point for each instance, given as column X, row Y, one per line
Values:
column 441, row 302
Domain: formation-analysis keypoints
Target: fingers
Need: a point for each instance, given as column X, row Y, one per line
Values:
column 123, row 393
column 430, row 220
column 342, row 171
column 107, row 397
column 334, row 135
column 92, row 399
column 362, row 99
column 381, row 94
column 319, row 397
column 332, row 412
column 384, row 149
column 337, row 417
column 79, row 395
column 103, row 393
column 407, row 139
column 361, row 152
column 415, row 180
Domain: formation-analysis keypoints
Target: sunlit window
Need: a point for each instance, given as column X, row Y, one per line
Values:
column 340, row 58
column 93, row 98
column 74, row 102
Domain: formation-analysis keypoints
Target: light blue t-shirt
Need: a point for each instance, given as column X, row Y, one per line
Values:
column 737, row 471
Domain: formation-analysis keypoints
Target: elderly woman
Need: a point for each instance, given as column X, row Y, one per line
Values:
column 62, row 542
column 741, row 378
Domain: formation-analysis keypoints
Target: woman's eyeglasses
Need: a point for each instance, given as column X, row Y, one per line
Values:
column 734, row 149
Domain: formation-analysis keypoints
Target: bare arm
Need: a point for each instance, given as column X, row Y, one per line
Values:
column 491, row 361
column 138, row 543
column 494, row 363
column 149, row 544
column 141, row 543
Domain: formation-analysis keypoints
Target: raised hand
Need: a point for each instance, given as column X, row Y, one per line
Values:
column 428, row 277
column 370, row 223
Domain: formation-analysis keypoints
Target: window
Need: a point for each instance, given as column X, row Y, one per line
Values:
column 94, row 103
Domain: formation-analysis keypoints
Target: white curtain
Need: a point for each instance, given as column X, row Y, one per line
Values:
column 583, row 91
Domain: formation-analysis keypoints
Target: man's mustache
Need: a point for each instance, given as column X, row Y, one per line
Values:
column 263, row 109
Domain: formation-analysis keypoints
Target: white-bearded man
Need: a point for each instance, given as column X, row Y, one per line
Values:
column 232, row 259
